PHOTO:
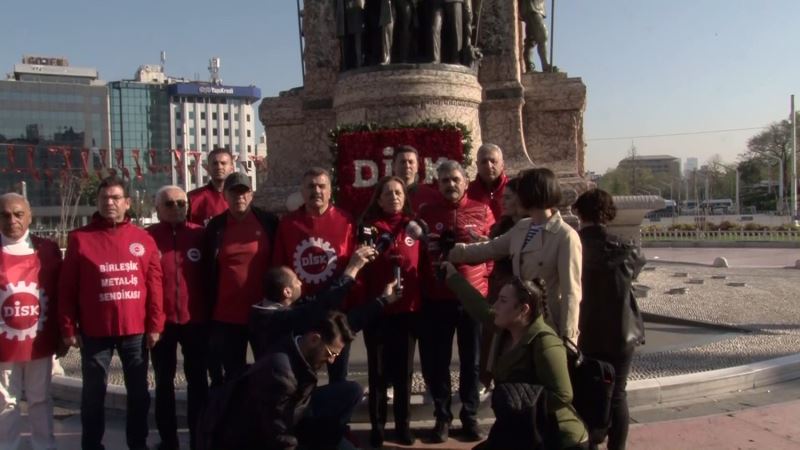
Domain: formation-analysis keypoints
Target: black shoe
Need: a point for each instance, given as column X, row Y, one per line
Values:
column 471, row 432
column 403, row 435
column 440, row 432
column 376, row 437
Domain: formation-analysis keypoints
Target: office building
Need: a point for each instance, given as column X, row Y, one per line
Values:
column 656, row 164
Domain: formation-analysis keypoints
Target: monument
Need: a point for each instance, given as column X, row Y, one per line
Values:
column 485, row 90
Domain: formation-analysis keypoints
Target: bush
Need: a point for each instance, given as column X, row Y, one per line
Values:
column 729, row 226
column 755, row 227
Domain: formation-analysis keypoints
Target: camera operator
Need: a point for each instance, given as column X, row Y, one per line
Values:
column 454, row 218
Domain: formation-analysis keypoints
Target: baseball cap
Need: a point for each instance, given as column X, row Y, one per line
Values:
column 237, row 179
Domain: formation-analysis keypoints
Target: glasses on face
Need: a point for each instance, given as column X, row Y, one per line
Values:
column 174, row 203
column 331, row 354
column 114, row 198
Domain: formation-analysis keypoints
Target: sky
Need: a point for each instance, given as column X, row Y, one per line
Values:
column 650, row 67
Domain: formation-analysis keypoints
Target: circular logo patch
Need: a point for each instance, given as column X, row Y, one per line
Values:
column 439, row 226
column 409, row 242
column 23, row 310
column 314, row 260
column 193, row 254
column 136, row 249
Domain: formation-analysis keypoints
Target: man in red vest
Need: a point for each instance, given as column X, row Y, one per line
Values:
column 209, row 200
column 316, row 241
column 491, row 181
column 110, row 298
column 179, row 243
column 29, row 268
column 405, row 164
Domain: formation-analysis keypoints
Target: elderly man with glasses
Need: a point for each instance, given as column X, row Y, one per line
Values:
column 179, row 243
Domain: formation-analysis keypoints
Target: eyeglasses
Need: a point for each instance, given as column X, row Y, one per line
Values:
column 331, row 354
column 174, row 203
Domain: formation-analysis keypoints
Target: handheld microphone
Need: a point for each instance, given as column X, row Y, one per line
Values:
column 447, row 241
column 383, row 242
column 397, row 259
column 417, row 230
column 367, row 235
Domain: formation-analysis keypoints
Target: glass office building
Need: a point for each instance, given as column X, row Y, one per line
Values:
column 48, row 114
column 140, row 121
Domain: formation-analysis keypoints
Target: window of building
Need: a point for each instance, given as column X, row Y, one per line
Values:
column 236, row 117
column 227, row 131
column 248, row 133
column 213, row 116
column 177, row 115
column 249, row 148
column 178, row 131
column 202, row 131
column 214, row 132
column 191, row 131
column 191, row 115
column 225, row 116
column 202, row 116
column 248, row 117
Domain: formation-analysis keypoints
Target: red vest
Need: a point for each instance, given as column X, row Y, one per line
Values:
column 205, row 203
column 28, row 289
column 493, row 198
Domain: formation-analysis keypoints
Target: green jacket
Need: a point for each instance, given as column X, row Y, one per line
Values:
column 539, row 358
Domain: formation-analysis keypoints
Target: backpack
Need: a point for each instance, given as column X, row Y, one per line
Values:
column 592, row 385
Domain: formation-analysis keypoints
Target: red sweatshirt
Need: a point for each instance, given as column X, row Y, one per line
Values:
column 110, row 282
column 28, row 302
column 379, row 273
column 205, row 203
column 491, row 197
column 419, row 194
column 317, row 248
column 182, row 269
column 462, row 217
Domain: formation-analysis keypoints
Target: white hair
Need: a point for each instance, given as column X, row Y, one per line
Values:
column 163, row 191
column 13, row 196
column 488, row 147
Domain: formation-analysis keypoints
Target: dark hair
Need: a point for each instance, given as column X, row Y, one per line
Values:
column 332, row 326
column 113, row 181
column 400, row 149
column 374, row 210
column 538, row 189
column 534, row 294
column 275, row 281
column 314, row 172
column 513, row 184
column 219, row 151
column 595, row 206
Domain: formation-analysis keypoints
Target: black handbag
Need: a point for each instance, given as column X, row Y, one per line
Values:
column 592, row 384
column 522, row 419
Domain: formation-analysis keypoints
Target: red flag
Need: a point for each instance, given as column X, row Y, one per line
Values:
column 11, row 159
column 85, row 162
column 138, row 168
column 151, row 161
column 121, row 163
column 178, row 163
column 32, row 163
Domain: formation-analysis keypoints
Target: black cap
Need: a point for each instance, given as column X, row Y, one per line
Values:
column 237, row 179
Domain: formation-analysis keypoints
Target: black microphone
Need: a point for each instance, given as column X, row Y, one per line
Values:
column 367, row 235
column 417, row 230
column 397, row 259
column 447, row 241
column 383, row 242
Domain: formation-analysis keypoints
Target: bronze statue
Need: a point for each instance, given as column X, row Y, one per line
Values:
column 450, row 26
column 380, row 31
column 532, row 13
column 349, row 30
column 405, row 26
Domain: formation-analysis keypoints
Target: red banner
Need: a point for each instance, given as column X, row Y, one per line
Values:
column 152, row 167
column 11, row 159
column 32, row 163
column 179, row 163
column 85, row 162
column 138, row 168
column 363, row 158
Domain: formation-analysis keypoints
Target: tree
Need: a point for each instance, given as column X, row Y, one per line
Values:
column 774, row 142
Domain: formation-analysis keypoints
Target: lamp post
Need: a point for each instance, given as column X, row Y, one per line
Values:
column 780, row 181
column 793, row 193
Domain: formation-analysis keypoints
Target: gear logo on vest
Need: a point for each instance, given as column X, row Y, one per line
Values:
column 23, row 311
column 193, row 254
column 137, row 249
column 409, row 241
column 314, row 260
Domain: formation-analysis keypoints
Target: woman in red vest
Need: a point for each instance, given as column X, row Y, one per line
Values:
column 390, row 340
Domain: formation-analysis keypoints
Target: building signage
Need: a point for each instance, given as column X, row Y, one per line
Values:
column 206, row 90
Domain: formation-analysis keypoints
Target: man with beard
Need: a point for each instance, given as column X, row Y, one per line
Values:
column 455, row 218
column 238, row 247
column 491, row 181
column 277, row 404
column 209, row 200
column 316, row 241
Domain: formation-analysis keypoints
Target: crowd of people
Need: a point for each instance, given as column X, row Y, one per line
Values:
column 490, row 263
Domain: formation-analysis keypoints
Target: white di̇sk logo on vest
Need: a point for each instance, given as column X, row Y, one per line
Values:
column 137, row 249
column 314, row 260
column 193, row 254
column 23, row 310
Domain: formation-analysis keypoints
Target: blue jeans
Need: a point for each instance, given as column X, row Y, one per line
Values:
column 441, row 321
column 95, row 358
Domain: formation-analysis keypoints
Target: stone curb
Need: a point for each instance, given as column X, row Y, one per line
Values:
column 640, row 392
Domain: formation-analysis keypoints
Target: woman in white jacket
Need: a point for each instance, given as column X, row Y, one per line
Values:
column 540, row 246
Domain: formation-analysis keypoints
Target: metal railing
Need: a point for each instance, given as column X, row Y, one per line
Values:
column 727, row 235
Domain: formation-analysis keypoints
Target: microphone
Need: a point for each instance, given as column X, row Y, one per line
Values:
column 397, row 259
column 383, row 242
column 417, row 230
column 367, row 235
column 447, row 241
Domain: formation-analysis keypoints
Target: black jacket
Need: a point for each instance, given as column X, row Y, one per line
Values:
column 215, row 230
column 270, row 321
column 609, row 268
column 266, row 403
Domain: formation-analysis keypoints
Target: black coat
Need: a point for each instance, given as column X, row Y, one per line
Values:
column 609, row 268
column 265, row 404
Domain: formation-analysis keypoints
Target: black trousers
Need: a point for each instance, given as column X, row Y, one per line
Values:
column 390, row 343
column 96, row 353
column 193, row 339
column 620, row 416
column 228, row 348
column 441, row 320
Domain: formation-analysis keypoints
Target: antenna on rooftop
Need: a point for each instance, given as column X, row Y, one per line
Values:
column 163, row 61
column 213, row 69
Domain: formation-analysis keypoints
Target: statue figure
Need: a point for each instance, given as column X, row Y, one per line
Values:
column 405, row 15
column 450, row 25
column 532, row 13
column 349, row 30
column 380, row 31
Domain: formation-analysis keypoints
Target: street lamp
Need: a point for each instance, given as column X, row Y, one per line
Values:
column 780, row 182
